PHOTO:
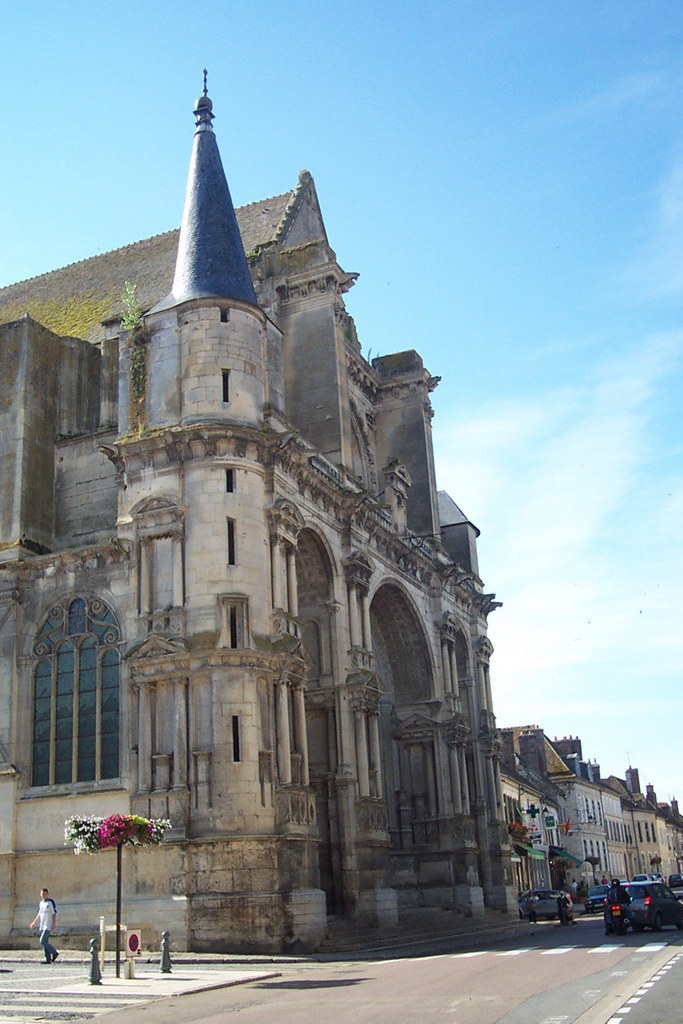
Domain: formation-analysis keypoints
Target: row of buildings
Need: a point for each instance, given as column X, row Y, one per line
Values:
column 568, row 824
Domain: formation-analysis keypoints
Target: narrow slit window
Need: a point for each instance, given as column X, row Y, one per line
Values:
column 236, row 738
column 224, row 316
column 232, row 560
column 230, row 481
column 234, row 612
column 234, row 632
column 226, row 385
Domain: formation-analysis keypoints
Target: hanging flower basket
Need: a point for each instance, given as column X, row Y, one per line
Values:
column 519, row 832
column 89, row 833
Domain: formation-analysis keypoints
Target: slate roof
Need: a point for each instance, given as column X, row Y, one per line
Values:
column 211, row 257
column 76, row 299
column 449, row 512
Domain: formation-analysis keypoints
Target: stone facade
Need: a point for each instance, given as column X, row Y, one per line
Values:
column 231, row 595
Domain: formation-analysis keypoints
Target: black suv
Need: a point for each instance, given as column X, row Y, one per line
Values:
column 595, row 900
column 675, row 882
column 652, row 905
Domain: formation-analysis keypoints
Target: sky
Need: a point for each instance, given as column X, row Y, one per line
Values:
column 506, row 177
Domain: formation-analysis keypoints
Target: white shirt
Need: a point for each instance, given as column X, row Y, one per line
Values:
column 46, row 912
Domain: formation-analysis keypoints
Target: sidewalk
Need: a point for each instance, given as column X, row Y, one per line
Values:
column 31, row 991
column 149, row 983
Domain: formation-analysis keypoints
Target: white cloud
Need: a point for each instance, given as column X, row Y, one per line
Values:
column 580, row 537
column 657, row 270
column 619, row 95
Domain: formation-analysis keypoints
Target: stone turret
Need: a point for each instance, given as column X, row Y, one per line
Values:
column 206, row 352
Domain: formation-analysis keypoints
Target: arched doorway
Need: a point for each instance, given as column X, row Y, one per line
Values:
column 403, row 666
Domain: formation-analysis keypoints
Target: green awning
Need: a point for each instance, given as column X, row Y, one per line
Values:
column 530, row 851
column 557, row 851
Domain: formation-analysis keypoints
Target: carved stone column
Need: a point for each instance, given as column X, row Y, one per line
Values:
column 492, row 794
column 284, row 752
column 362, row 753
column 454, row 670
column 146, row 576
column 178, row 583
column 481, row 679
column 464, row 781
column 277, row 572
column 375, row 755
column 300, row 732
column 365, row 620
column 180, row 736
column 456, row 784
column 446, row 663
column 354, row 621
column 202, row 772
column 144, row 739
column 432, row 804
column 292, row 595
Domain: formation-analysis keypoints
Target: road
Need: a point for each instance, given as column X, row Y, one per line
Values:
column 546, row 975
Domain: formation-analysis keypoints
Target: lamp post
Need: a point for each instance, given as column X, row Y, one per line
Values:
column 89, row 834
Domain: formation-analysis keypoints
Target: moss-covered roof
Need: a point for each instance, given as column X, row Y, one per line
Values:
column 75, row 300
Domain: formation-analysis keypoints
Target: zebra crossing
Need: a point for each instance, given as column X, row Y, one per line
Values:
column 30, row 1005
column 646, row 949
column 29, row 992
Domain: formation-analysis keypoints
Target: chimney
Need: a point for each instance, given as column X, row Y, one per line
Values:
column 632, row 781
column 507, row 753
column 650, row 794
column 674, row 807
column 567, row 746
column 532, row 750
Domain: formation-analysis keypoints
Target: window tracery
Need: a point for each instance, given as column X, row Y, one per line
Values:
column 76, row 694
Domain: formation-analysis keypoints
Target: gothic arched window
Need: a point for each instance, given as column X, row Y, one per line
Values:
column 76, row 694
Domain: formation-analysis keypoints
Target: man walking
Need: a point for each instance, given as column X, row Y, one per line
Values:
column 45, row 918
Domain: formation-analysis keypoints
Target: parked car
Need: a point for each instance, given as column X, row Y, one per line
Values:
column 650, row 877
column 675, row 882
column 595, row 900
column 653, row 905
column 546, row 903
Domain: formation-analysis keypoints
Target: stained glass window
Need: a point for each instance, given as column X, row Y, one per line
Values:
column 76, row 694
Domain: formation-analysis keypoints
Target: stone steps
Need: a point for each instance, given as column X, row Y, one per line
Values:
column 416, row 927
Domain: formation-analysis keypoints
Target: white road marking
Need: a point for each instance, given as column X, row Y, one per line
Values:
column 651, row 947
column 558, row 951
column 606, row 949
column 514, row 952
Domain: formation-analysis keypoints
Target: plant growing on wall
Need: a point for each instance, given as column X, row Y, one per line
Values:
column 133, row 321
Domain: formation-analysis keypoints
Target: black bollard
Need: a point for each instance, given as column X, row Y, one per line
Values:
column 165, row 965
column 95, row 972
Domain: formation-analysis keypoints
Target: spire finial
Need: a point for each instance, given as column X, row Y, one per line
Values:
column 203, row 109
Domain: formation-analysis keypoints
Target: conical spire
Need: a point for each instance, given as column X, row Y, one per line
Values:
column 211, row 258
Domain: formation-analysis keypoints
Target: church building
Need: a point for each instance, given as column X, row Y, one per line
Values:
column 232, row 596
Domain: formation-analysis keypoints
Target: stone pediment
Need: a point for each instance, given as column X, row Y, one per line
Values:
column 417, row 727
column 159, row 503
column 156, row 646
